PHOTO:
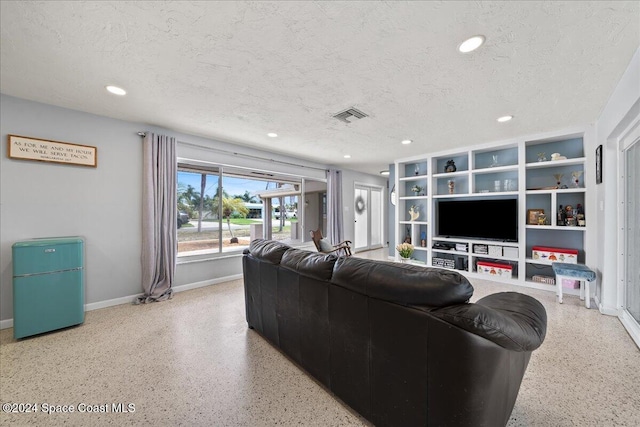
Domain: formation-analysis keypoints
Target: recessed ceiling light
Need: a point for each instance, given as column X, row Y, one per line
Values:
column 407, row 141
column 471, row 44
column 272, row 135
column 347, row 156
column 504, row 119
column 116, row 90
column 384, row 173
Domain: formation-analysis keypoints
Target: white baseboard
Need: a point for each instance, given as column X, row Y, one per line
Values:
column 609, row 311
column 632, row 327
column 8, row 323
column 110, row 302
column 204, row 283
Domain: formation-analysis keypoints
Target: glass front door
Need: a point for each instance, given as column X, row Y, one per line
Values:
column 368, row 217
column 361, row 210
column 632, row 228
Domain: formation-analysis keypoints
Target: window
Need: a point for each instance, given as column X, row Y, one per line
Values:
column 221, row 210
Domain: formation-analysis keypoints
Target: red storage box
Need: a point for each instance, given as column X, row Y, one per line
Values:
column 550, row 255
column 494, row 270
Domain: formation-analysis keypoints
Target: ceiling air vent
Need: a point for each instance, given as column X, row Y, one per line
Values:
column 350, row 115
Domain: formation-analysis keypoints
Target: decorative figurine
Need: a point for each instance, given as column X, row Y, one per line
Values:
column 570, row 219
column 407, row 238
column 450, row 166
column 452, row 186
column 414, row 213
column 557, row 156
column 423, row 239
column 542, row 219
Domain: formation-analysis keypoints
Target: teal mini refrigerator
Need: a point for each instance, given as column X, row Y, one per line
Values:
column 48, row 285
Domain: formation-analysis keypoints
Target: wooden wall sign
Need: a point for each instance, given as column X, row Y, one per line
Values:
column 42, row 150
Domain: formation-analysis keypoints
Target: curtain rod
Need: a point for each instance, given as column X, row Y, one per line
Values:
column 248, row 156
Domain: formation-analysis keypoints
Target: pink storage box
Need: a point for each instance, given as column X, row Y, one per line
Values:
column 543, row 253
column 570, row 284
column 494, row 270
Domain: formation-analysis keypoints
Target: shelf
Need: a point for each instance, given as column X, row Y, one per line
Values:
column 539, row 285
column 495, row 169
column 537, row 261
column 505, row 258
column 450, row 174
column 477, row 241
column 413, row 178
column 413, row 197
column 495, row 193
column 555, row 227
column 520, row 177
column 420, row 248
column 444, row 196
column 557, row 191
column 450, row 251
column 556, row 163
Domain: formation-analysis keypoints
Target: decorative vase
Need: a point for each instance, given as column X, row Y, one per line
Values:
column 558, row 177
column 404, row 260
column 576, row 178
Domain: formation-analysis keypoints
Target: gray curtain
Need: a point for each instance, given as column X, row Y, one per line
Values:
column 335, row 231
column 159, row 217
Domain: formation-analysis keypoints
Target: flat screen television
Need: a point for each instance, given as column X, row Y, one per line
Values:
column 492, row 219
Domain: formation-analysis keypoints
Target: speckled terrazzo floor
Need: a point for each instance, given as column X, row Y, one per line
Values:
column 192, row 361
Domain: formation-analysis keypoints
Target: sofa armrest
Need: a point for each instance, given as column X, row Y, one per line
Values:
column 509, row 319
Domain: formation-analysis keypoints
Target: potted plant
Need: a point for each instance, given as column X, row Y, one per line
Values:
column 416, row 189
column 404, row 250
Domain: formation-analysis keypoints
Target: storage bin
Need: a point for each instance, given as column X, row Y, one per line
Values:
column 481, row 249
column 495, row 250
column 510, row 252
column 544, row 279
column 550, row 255
column 443, row 262
column 494, row 269
column 570, row 284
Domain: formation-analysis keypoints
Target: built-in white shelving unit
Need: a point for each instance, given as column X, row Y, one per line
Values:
column 517, row 169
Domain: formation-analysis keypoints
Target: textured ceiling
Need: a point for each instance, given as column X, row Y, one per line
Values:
column 237, row 70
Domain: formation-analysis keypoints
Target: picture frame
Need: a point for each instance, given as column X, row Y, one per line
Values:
column 532, row 216
column 45, row 150
column 599, row 164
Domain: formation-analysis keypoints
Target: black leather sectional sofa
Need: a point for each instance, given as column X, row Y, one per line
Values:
column 398, row 343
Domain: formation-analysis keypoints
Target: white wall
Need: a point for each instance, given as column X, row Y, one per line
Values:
column 45, row 200
column 103, row 204
column 617, row 114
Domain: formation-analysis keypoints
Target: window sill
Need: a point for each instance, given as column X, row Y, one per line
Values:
column 190, row 259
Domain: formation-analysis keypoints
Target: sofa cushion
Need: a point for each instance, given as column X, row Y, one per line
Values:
column 310, row 264
column 325, row 246
column 402, row 283
column 512, row 320
column 267, row 250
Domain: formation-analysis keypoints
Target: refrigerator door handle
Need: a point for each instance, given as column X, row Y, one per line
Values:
column 48, row 272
